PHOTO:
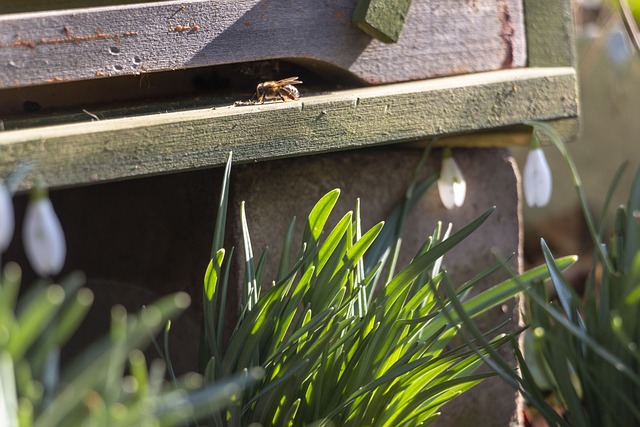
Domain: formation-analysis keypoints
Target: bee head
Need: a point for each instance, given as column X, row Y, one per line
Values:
column 260, row 90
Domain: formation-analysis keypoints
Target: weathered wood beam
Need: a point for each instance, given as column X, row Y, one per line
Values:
column 161, row 143
column 24, row 6
column 439, row 38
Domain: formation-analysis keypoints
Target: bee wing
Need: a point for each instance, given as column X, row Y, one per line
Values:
column 289, row 81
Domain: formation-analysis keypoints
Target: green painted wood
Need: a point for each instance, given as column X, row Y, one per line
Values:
column 568, row 128
column 160, row 143
column 381, row 19
column 550, row 32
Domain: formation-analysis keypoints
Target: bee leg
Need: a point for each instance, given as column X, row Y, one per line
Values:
column 282, row 97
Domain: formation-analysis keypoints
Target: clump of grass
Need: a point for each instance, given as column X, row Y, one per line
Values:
column 585, row 349
column 91, row 390
column 581, row 358
column 109, row 384
column 344, row 339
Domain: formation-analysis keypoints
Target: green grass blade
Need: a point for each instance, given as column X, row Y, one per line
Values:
column 609, row 195
column 567, row 297
column 330, row 245
column 419, row 264
column 88, row 371
column 251, row 291
column 563, row 380
column 632, row 235
column 531, row 392
column 587, row 340
column 285, row 256
column 34, row 320
column 262, row 262
column 361, row 279
column 221, row 217
column 314, row 323
column 394, row 223
column 496, row 294
column 212, row 276
column 212, row 309
column 389, row 376
column 206, row 400
column 222, row 301
column 317, row 219
column 469, row 284
column 495, row 361
column 290, row 416
column 357, row 251
column 276, row 383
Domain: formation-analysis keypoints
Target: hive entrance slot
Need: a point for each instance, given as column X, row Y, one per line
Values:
column 149, row 93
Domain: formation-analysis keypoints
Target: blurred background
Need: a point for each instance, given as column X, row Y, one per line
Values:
column 609, row 77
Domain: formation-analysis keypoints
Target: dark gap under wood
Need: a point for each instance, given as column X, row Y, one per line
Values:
column 148, row 93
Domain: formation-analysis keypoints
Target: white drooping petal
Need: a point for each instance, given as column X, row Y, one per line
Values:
column 617, row 46
column 537, row 180
column 451, row 184
column 7, row 220
column 43, row 238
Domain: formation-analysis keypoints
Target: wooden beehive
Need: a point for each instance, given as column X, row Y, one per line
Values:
column 458, row 67
column 120, row 91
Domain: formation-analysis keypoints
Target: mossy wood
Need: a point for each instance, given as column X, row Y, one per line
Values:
column 133, row 146
column 550, row 31
column 381, row 19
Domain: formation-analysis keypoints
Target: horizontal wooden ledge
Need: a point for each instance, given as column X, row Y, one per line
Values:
column 106, row 150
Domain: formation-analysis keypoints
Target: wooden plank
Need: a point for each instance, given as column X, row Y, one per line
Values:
column 439, row 38
column 550, row 31
column 22, row 6
column 160, row 143
column 568, row 128
column 381, row 19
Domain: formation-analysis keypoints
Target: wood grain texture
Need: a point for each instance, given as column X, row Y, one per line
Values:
column 550, row 32
column 160, row 143
column 22, row 6
column 439, row 38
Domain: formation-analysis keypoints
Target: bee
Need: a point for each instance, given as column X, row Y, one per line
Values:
column 282, row 89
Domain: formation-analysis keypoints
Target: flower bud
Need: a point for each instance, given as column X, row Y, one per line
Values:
column 42, row 235
column 7, row 220
column 537, row 180
column 451, row 184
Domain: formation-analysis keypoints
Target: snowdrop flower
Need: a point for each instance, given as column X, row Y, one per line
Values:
column 451, row 184
column 7, row 221
column 42, row 235
column 617, row 46
column 537, row 181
